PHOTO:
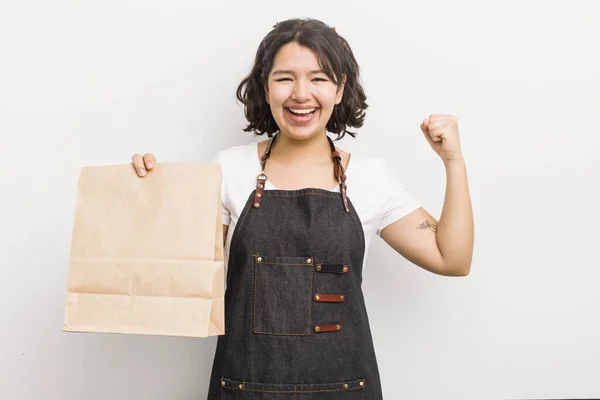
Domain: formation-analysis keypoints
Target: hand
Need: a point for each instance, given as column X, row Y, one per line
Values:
column 143, row 164
column 441, row 131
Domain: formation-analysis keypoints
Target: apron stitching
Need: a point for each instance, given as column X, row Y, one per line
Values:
column 300, row 194
column 250, row 389
column 282, row 263
column 235, row 239
column 254, row 302
column 254, row 305
column 303, row 391
column 310, row 303
column 359, row 228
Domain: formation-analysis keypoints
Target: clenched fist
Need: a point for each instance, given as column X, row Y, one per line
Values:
column 441, row 131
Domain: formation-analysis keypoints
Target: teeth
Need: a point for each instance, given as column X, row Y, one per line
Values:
column 307, row 111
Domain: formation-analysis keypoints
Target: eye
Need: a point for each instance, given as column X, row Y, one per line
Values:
column 320, row 80
column 283, row 79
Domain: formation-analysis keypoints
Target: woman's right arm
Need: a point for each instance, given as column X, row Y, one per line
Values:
column 225, row 227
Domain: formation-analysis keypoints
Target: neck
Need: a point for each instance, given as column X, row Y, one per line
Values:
column 288, row 149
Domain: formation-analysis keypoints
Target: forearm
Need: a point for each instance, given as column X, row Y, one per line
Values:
column 454, row 232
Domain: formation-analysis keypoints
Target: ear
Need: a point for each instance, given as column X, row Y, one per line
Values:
column 340, row 91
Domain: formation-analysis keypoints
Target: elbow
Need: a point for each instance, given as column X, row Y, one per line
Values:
column 456, row 270
column 457, row 267
column 465, row 271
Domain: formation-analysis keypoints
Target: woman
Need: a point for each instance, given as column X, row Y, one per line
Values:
column 298, row 227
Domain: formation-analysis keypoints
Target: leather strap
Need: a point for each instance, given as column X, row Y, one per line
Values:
column 329, row 298
column 260, row 187
column 338, row 171
column 332, row 268
column 340, row 174
column 320, row 328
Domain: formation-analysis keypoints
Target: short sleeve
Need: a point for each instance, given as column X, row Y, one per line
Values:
column 225, row 213
column 396, row 199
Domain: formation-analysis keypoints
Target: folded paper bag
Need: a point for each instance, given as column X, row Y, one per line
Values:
column 147, row 253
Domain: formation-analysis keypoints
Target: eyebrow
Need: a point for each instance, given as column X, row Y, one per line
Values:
column 286, row 71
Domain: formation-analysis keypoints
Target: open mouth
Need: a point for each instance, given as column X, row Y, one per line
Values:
column 301, row 116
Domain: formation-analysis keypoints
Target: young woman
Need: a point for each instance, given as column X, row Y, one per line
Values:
column 299, row 216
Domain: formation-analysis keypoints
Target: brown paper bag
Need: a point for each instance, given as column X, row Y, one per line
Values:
column 147, row 253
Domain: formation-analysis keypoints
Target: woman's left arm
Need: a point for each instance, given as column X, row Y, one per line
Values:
column 444, row 247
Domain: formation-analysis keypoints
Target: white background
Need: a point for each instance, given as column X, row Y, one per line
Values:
column 91, row 83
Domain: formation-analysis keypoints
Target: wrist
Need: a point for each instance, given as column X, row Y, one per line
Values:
column 455, row 162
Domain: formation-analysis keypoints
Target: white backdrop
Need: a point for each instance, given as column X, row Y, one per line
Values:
column 91, row 83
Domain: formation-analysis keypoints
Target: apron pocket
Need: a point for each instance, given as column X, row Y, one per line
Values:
column 282, row 295
column 348, row 390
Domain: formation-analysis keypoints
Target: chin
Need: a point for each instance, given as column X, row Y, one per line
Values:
column 302, row 134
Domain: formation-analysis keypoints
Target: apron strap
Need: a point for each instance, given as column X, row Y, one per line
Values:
column 340, row 174
column 338, row 171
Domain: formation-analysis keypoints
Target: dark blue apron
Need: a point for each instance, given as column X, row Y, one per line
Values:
column 295, row 318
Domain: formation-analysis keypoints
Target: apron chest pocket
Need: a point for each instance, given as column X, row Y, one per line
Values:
column 237, row 390
column 282, row 295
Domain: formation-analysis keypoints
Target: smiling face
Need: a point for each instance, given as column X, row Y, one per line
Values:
column 300, row 94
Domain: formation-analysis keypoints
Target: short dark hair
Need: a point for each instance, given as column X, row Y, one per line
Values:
column 336, row 59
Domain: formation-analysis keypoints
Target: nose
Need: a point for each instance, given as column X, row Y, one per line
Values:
column 301, row 91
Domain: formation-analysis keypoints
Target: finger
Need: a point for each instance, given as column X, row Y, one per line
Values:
column 138, row 164
column 425, row 126
column 447, row 119
column 438, row 116
column 425, row 129
column 149, row 161
column 436, row 124
column 437, row 134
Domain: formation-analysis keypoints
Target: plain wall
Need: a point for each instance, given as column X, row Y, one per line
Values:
column 91, row 83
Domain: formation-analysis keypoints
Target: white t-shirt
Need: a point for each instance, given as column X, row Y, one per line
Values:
column 378, row 195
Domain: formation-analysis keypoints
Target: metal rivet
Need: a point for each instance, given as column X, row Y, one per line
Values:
column 345, row 269
column 338, row 327
column 318, row 267
column 308, row 260
column 222, row 383
column 259, row 259
column 342, row 297
column 258, row 195
column 256, row 205
column 317, row 297
column 317, row 328
column 362, row 383
column 345, row 386
column 241, row 386
column 260, row 186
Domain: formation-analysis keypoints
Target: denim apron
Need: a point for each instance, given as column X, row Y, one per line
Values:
column 295, row 318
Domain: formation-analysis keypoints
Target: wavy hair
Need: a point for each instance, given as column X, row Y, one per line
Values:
column 335, row 58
